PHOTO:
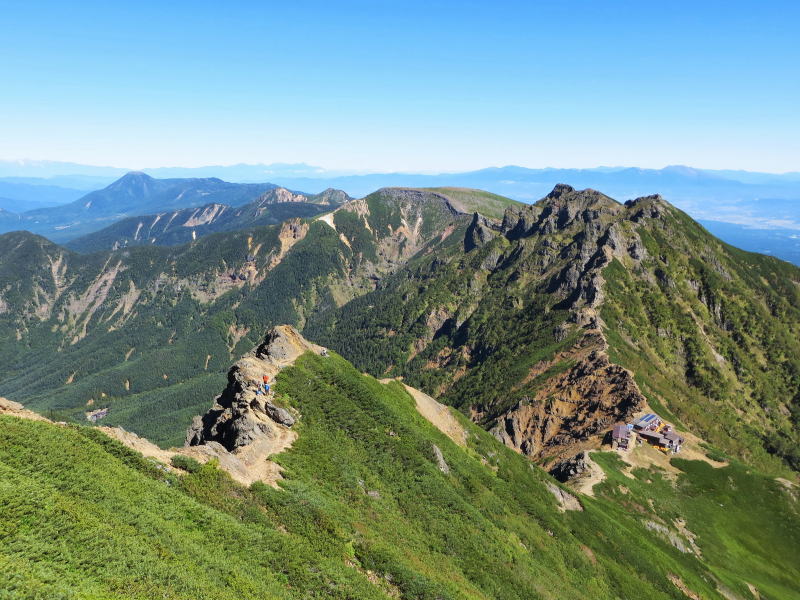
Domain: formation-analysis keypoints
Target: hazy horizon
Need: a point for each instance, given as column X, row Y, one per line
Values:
column 324, row 171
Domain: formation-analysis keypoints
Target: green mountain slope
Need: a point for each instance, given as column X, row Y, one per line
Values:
column 579, row 311
column 187, row 224
column 469, row 200
column 545, row 328
column 367, row 510
column 149, row 331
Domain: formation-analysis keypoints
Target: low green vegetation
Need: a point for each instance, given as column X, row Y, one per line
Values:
column 488, row 204
column 364, row 511
column 712, row 336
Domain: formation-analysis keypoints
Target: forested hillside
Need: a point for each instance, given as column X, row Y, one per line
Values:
column 148, row 331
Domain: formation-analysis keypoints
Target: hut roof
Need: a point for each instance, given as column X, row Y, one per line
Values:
column 620, row 432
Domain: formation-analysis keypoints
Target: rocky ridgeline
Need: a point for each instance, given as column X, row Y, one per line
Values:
column 567, row 239
column 244, row 414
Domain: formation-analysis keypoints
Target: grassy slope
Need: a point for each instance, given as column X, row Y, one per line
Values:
column 83, row 517
column 704, row 299
column 488, row 204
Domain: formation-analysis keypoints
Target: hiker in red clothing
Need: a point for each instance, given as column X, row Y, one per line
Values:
column 266, row 379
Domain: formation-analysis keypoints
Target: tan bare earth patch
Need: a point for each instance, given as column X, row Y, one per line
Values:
column 141, row 445
column 754, row 591
column 678, row 582
column 248, row 463
column 438, row 414
column 590, row 478
column 245, row 465
column 15, row 409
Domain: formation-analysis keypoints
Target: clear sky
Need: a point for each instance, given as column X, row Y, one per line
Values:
column 423, row 86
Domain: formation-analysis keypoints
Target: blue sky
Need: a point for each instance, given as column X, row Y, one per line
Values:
column 423, row 86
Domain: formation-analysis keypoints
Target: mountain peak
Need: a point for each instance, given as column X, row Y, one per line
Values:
column 564, row 195
column 653, row 206
column 560, row 189
column 135, row 176
column 129, row 180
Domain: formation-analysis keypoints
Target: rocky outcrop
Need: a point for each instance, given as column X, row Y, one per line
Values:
column 244, row 414
column 572, row 410
column 570, row 468
column 245, row 426
column 15, row 409
column 566, row 501
column 479, row 232
column 440, row 462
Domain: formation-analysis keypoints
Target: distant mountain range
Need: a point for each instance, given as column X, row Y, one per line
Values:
column 19, row 196
column 131, row 195
column 180, row 226
column 761, row 204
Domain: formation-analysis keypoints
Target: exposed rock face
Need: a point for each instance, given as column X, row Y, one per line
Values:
column 243, row 414
column 440, row 462
column 566, row 501
column 571, row 468
column 480, row 231
column 291, row 232
column 573, row 409
column 280, row 195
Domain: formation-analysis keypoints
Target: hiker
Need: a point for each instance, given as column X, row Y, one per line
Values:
column 265, row 378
